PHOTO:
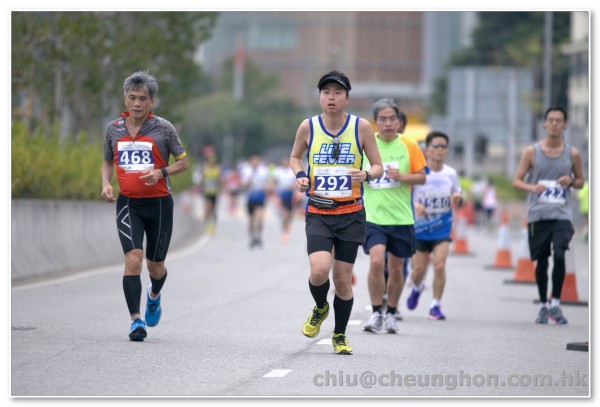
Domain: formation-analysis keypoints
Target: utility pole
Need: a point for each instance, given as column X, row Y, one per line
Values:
column 548, row 16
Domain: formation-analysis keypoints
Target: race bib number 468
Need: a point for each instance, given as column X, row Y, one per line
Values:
column 135, row 157
column 332, row 182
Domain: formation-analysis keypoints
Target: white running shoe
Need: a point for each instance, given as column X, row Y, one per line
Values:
column 375, row 323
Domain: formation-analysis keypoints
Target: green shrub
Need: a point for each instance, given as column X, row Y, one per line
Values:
column 505, row 190
column 50, row 168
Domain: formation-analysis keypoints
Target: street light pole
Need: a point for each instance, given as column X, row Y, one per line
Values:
column 548, row 16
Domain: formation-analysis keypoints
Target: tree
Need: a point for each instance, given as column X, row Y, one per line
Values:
column 261, row 120
column 75, row 62
column 514, row 39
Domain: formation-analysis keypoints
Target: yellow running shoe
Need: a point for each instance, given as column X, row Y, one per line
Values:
column 313, row 324
column 340, row 344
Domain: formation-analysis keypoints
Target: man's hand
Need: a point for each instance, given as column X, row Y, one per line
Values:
column 302, row 184
column 420, row 211
column 357, row 175
column 538, row 188
column 107, row 193
column 565, row 181
column 151, row 177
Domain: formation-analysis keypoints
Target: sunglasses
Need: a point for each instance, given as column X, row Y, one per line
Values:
column 444, row 146
column 336, row 147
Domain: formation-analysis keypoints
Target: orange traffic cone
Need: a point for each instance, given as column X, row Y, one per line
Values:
column 460, row 245
column 503, row 259
column 569, row 288
column 525, row 271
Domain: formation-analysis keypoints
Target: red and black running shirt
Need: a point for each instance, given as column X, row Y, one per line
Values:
column 150, row 149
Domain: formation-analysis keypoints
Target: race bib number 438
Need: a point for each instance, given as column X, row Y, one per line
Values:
column 135, row 157
column 332, row 182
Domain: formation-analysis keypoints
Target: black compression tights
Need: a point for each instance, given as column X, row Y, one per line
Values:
column 132, row 287
column 558, row 276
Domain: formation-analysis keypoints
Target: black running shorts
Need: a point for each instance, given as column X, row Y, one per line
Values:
column 152, row 216
column 549, row 233
column 345, row 232
column 428, row 245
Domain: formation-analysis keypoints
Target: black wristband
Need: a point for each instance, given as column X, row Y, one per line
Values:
column 164, row 172
column 301, row 174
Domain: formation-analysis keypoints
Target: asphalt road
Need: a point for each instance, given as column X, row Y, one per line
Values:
column 232, row 321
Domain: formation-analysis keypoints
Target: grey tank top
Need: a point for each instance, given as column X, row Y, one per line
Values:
column 555, row 202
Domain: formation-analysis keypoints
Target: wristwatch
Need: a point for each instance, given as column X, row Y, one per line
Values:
column 368, row 178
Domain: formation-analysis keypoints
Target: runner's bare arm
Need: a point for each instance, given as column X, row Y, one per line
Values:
column 107, row 189
column 523, row 168
column 576, row 181
column 152, row 176
column 300, row 146
column 367, row 138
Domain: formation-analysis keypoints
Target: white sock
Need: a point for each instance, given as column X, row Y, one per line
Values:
column 418, row 288
column 545, row 305
column 435, row 303
column 554, row 303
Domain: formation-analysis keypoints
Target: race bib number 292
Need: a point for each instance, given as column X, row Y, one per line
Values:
column 333, row 182
column 135, row 157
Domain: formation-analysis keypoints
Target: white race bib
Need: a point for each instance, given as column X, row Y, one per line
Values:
column 135, row 157
column 332, row 182
column 437, row 202
column 383, row 181
column 554, row 193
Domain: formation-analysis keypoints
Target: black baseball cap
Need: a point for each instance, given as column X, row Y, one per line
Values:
column 341, row 80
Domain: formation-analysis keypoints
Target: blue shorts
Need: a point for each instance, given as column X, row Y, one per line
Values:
column 397, row 239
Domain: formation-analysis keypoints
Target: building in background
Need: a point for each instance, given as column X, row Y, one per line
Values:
column 577, row 52
column 385, row 53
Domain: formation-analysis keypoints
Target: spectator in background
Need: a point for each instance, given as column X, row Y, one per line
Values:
column 583, row 195
column 211, row 187
column 489, row 202
column 255, row 180
column 233, row 186
column 477, row 191
column 285, row 181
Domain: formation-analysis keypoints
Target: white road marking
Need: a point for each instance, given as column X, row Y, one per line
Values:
column 324, row 342
column 110, row 269
column 278, row 373
column 354, row 322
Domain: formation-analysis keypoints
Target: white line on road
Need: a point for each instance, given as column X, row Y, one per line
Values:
column 324, row 342
column 354, row 322
column 278, row 373
column 93, row 272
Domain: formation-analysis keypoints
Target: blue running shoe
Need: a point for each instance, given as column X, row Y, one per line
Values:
column 542, row 317
column 435, row 313
column 153, row 309
column 557, row 315
column 413, row 299
column 137, row 331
